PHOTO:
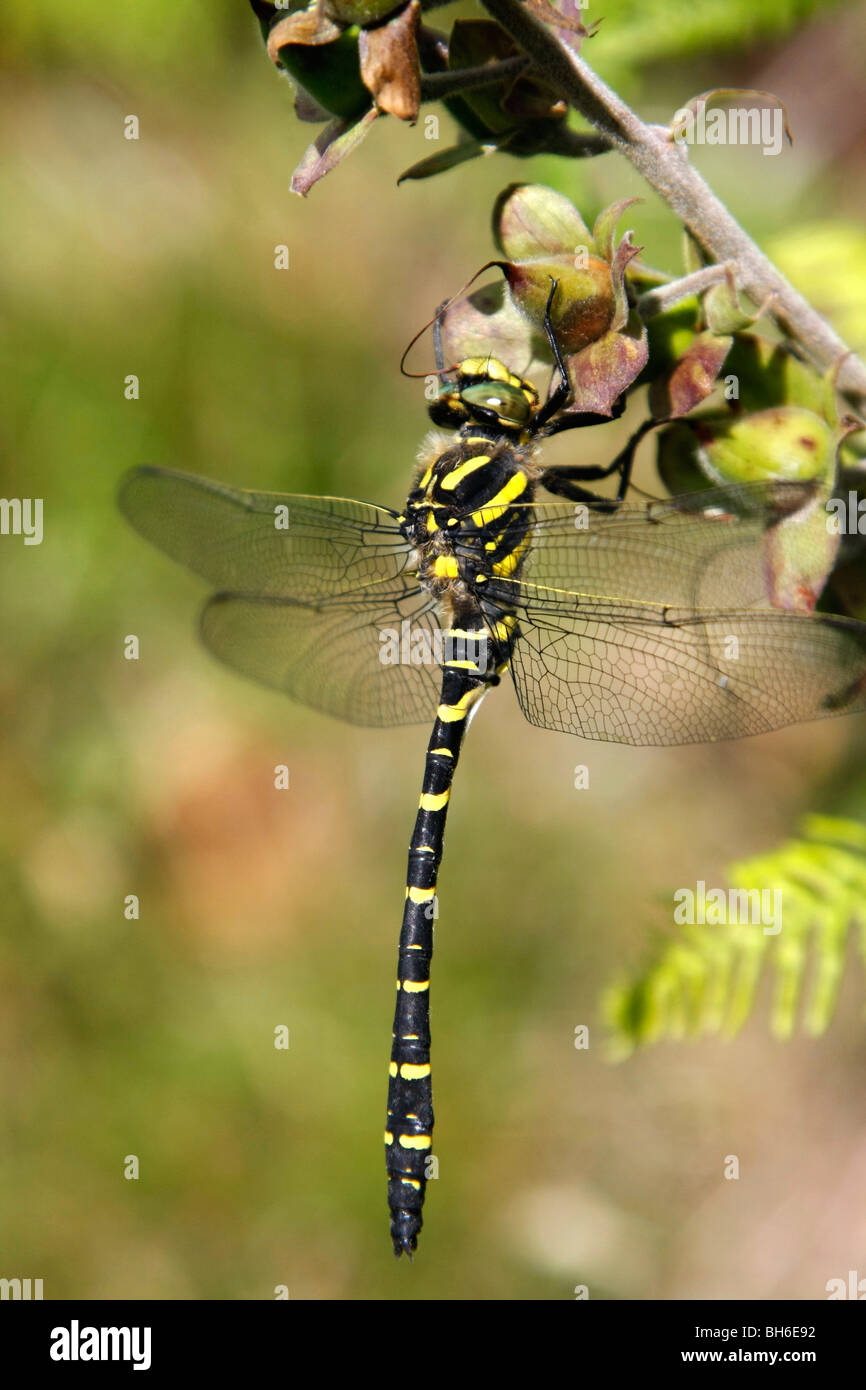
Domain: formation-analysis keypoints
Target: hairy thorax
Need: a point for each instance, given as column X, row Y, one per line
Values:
column 468, row 520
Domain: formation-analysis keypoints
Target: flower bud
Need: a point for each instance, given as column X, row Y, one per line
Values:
column 787, row 442
column 583, row 306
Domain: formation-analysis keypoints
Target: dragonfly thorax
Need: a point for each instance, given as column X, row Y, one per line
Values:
column 468, row 519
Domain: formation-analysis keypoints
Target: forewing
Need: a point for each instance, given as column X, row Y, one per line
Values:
column 318, row 599
column 711, row 549
column 267, row 543
column 655, row 625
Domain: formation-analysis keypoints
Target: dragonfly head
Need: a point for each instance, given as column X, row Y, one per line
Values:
column 482, row 391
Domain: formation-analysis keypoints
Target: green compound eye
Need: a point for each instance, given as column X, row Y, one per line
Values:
column 508, row 402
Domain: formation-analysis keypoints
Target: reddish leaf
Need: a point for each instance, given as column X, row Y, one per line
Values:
column 691, row 379
column 445, row 159
column 624, row 253
column 601, row 372
column 605, row 225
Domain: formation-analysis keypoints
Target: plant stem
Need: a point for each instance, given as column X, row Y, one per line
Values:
column 435, row 86
column 656, row 300
column 666, row 168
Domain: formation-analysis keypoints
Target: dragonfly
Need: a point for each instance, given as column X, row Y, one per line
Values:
column 641, row 624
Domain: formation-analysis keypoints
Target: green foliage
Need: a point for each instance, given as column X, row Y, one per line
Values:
column 648, row 31
column 169, row 32
column 705, row 979
column 827, row 262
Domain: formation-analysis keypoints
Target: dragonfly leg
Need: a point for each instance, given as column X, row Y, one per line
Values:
column 558, row 397
column 584, row 419
column 567, row 482
column 560, row 394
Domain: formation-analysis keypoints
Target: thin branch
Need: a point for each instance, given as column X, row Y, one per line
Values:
column 666, row 167
column 655, row 301
column 435, row 86
column 580, row 144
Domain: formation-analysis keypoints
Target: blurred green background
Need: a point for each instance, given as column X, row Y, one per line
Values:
column 258, row 908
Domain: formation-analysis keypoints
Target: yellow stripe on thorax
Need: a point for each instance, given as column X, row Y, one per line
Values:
column 504, row 628
column 454, row 477
column 496, row 506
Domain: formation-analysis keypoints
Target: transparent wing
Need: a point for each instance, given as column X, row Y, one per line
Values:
column 655, row 625
column 318, row 600
column 644, row 675
column 267, row 543
column 372, row 666
column 711, row 549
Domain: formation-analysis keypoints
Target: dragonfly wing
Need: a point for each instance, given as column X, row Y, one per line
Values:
column 267, row 543
column 713, row 549
column 644, row 674
column 318, row 600
column 371, row 665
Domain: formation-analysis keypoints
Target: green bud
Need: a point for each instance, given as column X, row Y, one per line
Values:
column 677, row 461
column 670, row 336
column 799, row 555
column 787, row 443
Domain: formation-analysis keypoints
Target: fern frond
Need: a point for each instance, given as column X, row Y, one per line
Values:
column 703, row 979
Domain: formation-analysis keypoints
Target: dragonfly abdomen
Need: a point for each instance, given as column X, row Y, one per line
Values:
column 409, row 1127
column 469, row 523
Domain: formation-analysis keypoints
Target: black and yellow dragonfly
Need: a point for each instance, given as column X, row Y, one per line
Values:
column 650, row 624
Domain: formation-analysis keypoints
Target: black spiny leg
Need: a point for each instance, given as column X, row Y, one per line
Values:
column 556, row 400
column 566, row 482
